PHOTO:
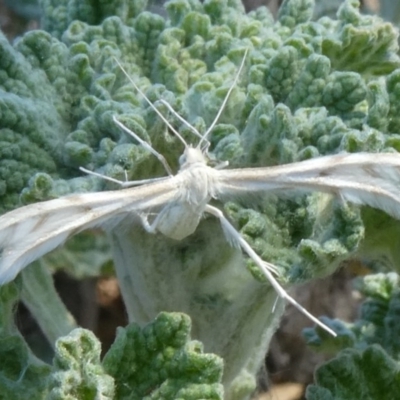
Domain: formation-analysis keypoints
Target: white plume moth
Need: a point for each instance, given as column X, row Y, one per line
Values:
column 180, row 200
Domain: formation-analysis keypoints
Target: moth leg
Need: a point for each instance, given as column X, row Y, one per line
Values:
column 121, row 183
column 234, row 238
column 150, row 228
column 160, row 157
column 222, row 165
column 264, row 266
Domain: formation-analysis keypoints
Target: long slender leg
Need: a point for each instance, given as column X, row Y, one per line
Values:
column 222, row 165
column 151, row 228
column 122, row 183
column 264, row 266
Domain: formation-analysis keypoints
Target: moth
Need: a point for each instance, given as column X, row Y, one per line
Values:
column 180, row 201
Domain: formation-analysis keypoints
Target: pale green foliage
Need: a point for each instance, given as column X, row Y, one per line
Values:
column 86, row 254
column 204, row 277
column 378, row 323
column 309, row 88
column 22, row 375
column 367, row 374
column 379, row 317
column 77, row 372
column 362, row 372
column 160, row 362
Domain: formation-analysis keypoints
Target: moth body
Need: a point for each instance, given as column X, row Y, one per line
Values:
column 196, row 183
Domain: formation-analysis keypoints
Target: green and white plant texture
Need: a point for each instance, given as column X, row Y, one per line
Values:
column 309, row 88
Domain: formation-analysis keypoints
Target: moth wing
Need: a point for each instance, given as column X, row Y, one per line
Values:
column 362, row 178
column 29, row 232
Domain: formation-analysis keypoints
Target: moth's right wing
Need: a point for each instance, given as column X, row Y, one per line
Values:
column 361, row 178
column 29, row 232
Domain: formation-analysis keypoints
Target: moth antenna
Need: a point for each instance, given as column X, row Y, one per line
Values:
column 146, row 145
column 183, row 120
column 211, row 127
column 175, row 132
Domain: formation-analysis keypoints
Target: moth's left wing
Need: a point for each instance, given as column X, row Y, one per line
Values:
column 29, row 232
column 361, row 178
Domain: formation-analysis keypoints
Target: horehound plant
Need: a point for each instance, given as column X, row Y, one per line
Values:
column 307, row 92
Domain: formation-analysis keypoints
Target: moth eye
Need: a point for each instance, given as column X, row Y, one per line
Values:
column 182, row 159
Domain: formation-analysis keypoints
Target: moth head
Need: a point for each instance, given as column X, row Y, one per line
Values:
column 191, row 155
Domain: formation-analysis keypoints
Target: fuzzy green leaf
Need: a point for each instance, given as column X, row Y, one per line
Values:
column 77, row 372
column 160, row 361
column 369, row 374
